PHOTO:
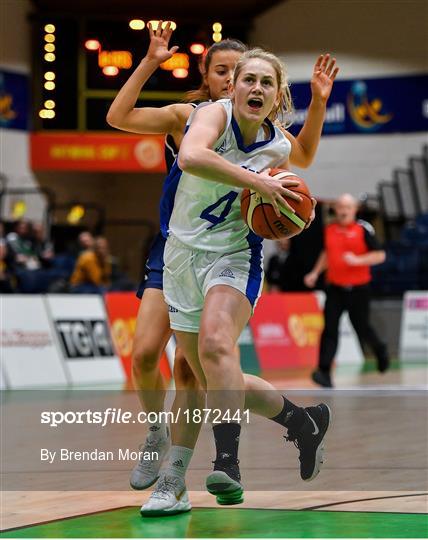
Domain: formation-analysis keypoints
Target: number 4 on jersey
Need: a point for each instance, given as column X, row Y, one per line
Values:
column 214, row 219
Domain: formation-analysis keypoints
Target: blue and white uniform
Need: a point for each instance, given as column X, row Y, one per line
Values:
column 208, row 241
column 153, row 278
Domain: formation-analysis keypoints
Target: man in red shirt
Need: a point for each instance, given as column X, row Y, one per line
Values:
column 350, row 248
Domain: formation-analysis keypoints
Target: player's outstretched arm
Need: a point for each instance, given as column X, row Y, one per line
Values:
column 125, row 116
column 196, row 157
column 304, row 146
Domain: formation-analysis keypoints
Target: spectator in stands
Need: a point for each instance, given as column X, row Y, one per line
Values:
column 41, row 246
column 93, row 270
column 25, row 265
column 85, row 241
column 350, row 248
column 276, row 273
column 21, row 247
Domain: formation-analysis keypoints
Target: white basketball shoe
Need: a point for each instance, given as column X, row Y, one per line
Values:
column 168, row 498
column 146, row 472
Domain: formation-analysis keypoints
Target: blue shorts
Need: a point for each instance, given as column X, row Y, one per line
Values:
column 153, row 278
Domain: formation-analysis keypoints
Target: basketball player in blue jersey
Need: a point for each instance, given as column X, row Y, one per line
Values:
column 149, row 344
column 213, row 262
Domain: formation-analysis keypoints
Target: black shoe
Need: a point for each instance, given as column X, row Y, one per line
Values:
column 322, row 378
column 383, row 361
column 310, row 440
column 225, row 481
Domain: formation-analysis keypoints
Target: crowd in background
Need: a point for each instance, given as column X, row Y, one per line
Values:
column 29, row 264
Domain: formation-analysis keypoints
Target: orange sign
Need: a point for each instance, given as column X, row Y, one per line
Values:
column 97, row 152
column 120, row 59
column 122, row 309
column 286, row 329
column 177, row 61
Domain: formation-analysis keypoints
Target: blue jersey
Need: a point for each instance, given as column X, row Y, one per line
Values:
column 154, row 265
column 169, row 186
column 171, row 152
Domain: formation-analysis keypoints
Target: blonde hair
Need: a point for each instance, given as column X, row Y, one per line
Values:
column 203, row 92
column 285, row 106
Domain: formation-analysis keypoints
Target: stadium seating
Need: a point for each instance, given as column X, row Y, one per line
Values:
column 406, row 265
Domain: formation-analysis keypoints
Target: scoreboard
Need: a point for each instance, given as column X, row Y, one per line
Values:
column 80, row 63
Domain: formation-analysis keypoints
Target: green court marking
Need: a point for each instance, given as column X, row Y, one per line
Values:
column 249, row 358
column 233, row 522
column 370, row 366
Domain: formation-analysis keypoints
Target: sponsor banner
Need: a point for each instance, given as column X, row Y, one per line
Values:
column 365, row 106
column 97, row 152
column 248, row 354
column 13, row 100
column 349, row 349
column 83, row 336
column 30, row 357
column 414, row 327
column 286, row 329
column 122, row 309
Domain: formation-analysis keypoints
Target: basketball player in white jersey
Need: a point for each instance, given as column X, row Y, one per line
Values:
column 124, row 115
column 152, row 329
column 213, row 270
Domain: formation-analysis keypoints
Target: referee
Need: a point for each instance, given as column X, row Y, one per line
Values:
column 350, row 248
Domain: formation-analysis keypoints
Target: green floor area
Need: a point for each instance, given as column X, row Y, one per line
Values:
column 370, row 366
column 232, row 522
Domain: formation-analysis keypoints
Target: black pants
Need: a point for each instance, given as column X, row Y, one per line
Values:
column 357, row 302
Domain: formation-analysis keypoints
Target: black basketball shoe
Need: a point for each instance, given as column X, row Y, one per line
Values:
column 382, row 358
column 225, row 481
column 310, row 440
column 322, row 378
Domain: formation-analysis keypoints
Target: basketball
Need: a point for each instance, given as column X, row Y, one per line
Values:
column 260, row 215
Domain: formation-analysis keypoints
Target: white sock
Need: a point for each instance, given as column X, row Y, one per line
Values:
column 178, row 461
column 158, row 431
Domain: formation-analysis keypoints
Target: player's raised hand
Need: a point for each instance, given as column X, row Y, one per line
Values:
column 325, row 71
column 276, row 191
column 159, row 43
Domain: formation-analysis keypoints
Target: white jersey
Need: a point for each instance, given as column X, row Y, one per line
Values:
column 206, row 215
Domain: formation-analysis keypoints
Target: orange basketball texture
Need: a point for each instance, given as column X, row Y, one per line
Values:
column 260, row 216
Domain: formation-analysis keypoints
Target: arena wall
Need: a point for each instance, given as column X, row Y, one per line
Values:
column 369, row 39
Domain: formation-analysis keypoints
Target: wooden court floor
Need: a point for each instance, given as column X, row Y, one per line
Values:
column 397, row 510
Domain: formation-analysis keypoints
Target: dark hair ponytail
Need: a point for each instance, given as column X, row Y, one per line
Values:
column 203, row 92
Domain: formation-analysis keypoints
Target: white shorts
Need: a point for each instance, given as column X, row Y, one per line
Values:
column 189, row 274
